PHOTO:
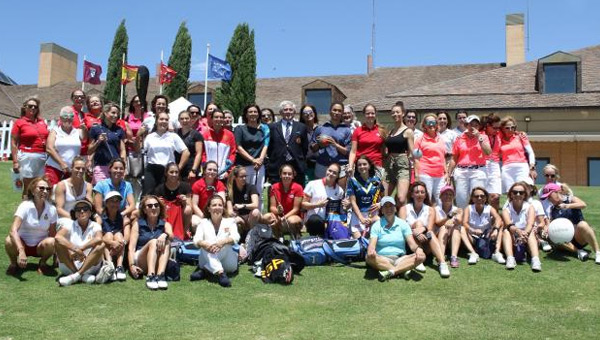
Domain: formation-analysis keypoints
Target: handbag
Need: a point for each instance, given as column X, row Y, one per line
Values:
column 135, row 165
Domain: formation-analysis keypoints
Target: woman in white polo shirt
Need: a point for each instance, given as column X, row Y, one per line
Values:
column 160, row 147
column 33, row 228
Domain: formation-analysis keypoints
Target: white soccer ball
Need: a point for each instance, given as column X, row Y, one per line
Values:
column 561, row 230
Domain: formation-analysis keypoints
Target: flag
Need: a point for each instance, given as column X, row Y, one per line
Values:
column 218, row 68
column 166, row 74
column 128, row 73
column 91, row 73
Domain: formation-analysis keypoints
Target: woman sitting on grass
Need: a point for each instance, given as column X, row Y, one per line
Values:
column 363, row 190
column 243, row 200
column 419, row 214
column 387, row 245
column 482, row 220
column 33, row 228
column 79, row 246
column 285, row 204
column 177, row 197
column 149, row 243
column 114, row 233
column 215, row 237
column 317, row 195
column 448, row 219
column 519, row 217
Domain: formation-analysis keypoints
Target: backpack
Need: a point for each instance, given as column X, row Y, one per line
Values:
column 346, row 251
column 483, row 245
column 278, row 262
column 187, row 252
column 336, row 230
column 311, row 249
column 256, row 235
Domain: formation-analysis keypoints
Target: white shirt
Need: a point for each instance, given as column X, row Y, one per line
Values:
column 537, row 206
column 412, row 216
column 449, row 138
column 519, row 219
column 206, row 231
column 480, row 222
column 68, row 145
column 34, row 228
column 318, row 191
column 160, row 149
column 79, row 237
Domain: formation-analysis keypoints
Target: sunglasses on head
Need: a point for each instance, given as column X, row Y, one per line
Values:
column 152, row 205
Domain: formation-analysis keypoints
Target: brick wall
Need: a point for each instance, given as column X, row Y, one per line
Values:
column 569, row 157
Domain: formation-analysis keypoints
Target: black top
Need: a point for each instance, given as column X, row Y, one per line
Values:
column 190, row 140
column 170, row 195
column 244, row 197
column 251, row 139
column 397, row 144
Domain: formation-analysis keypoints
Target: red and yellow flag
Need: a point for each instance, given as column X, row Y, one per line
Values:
column 166, row 74
column 128, row 73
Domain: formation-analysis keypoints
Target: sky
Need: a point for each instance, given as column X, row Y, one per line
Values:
column 293, row 38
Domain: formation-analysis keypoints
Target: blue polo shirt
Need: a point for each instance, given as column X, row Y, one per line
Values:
column 364, row 191
column 107, row 151
column 329, row 154
column 105, row 186
column 391, row 240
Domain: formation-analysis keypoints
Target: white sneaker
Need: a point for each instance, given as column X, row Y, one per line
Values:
column 151, row 282
column 161, row 282
column 69, row 279
column 421, row 268
column 444, row 271
column 583, row 255
column 511, row 263
column 473, row 258
column 89, row 279
column 545, row 246
column 498, row 258
column 597, row 257
column 536, row 264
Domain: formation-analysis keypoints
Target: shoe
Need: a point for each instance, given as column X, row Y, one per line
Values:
column 444, row 271
column 582, row 254
column 69, row 279
column 545, row 246
column 120, row 273
column 161, row 281
column 536, row 264
column 454, row 262
column 597, row 260
column 421, row 268
column 511, row 263
column 384, row 275
column 44, row 269
column 198, row 275
column 498, row 258
column 89, row 279
column 224, row 280
column 151, row 282
column 407, row 274
column 473, row 258
column 12, row 270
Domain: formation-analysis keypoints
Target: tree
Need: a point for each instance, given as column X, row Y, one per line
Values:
column 180, row 61
column 241, row 89
column 112, row 89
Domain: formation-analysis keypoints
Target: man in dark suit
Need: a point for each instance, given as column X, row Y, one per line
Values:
column 288, row 144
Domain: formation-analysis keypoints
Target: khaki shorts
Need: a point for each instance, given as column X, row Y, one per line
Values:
column 397, row 168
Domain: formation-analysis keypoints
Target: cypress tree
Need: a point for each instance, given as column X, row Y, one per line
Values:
column 241, row 89
column 112, row 89
column 180, row 61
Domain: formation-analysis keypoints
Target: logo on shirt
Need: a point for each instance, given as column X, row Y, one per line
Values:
column 46, row 217
column 291, row 195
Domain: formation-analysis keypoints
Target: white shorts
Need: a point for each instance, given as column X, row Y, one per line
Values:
column 355, row 224
column 31, row 164
column 494, row 177
column 78, row 264
column 512, row 173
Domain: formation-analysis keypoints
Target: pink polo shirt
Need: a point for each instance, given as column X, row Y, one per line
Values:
column 495, row 143
column 513, row 150
column 468, row 151
column 433, row 161
column 369, row 143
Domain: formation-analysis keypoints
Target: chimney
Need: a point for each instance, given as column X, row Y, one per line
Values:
column 369, row 64
column 57, row 64
column 515, row 39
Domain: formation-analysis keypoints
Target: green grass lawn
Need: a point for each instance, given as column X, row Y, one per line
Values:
column 477, row 302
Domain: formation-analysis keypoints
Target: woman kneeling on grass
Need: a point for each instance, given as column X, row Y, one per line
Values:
column 149, row 243
column 33, row 229
column 215, row 238
column 79, row 246
column 519, row 218
column 419, row 214
column 387, row 245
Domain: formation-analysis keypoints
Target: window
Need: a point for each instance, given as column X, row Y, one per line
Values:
column 198, row 99
column 594, row 171
column 560, row 78
column 321, row 99
column 540, row 163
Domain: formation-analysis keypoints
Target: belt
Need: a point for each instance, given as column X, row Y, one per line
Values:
column 469, row 167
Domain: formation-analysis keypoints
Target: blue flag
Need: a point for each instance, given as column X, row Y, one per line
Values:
column 219, row 69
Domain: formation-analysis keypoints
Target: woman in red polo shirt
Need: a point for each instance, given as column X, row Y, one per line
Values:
column 430, row 168
column 28, row 143
column 204, row 188
column 518, row 159
column 369, row 140
column 286, row 201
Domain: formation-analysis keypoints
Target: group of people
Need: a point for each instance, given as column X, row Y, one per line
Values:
column 102, row 187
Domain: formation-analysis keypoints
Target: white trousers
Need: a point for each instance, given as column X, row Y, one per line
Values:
column 225, row 260
column 512, row 173
column 433, row 185
column 494, row 177
column 464, row 181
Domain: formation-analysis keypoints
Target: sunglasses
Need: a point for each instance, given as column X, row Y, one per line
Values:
column 550, row 176
column 307, row 112
column 32, row 107
column 44, row 189
column 518, row 192
column 194, row 113
column 152, row 205
column 82, row 209
column 511, row 128
column 411, row 118
column 78, row 97
column 430, row 123
column 479, row 196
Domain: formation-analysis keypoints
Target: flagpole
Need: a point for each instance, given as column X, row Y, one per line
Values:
column 122, row 85
column 206, row 77
column 161, row 62
column 83, row 80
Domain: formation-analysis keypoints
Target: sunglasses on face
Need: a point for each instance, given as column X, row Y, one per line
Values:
column 411, row 118
column 32, row 107
column 82, row 209
column 78, row 97
column 518, row 192
column 430, row 123
column 152, row 205
column 550, row 176
column 44, row 189
column 194, row 113
column 307, row 112
column 511, row 128
column 479, row 196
